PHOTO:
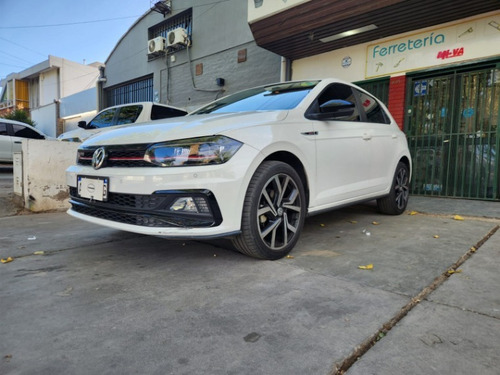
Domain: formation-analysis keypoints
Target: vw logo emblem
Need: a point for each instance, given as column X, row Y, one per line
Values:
column 99, row 157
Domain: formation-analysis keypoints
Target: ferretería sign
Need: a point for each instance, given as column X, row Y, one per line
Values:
column 473, row 39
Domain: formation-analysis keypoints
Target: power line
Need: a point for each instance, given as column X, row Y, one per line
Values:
column 18, row 58
column 20, row 45
column 65, row 24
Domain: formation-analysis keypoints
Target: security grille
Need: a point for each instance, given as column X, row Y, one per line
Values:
column 453, row 133
column 378, row 88
column 136, row 91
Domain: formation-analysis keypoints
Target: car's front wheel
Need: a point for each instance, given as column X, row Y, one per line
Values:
column 395, row 203
column 273, row 213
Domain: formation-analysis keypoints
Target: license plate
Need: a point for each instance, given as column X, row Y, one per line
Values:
column 93, row 188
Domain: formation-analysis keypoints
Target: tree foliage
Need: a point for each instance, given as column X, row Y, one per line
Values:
column 19, row 115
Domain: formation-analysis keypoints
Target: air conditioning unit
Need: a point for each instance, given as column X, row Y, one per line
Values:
column 156, row 45
column 176, row 37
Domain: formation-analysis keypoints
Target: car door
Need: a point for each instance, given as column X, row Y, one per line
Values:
column 5, row 143
column 383, row 140
column 343, row 148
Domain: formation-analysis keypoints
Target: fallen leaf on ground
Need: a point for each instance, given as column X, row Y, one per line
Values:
column 436, row 236
column 473, row 249
column 413, row 213
column 353, row 221
column 451, row 272
column 8, row 260
column 322, row 225
column 290, row 257
column 458, row 217
column 375, row 223
column 39, row 253
column 367, row 267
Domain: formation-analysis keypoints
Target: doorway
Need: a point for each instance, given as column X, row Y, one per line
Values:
column 452, row 122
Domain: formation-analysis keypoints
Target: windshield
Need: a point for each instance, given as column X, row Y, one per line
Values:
column 268, row 98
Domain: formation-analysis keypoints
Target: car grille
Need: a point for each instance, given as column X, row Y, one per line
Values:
column 118, row 156
column 149, row 210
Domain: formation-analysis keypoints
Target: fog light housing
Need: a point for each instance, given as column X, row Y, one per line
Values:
column 197, row 205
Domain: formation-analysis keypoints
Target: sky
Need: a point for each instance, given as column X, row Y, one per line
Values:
column 84, row 31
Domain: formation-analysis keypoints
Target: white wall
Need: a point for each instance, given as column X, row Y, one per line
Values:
column 81, row 106
column 71, row 122
column 49, row 87
column 330, row 65
column 43, row 174
column 76, row 77
column 45, row 119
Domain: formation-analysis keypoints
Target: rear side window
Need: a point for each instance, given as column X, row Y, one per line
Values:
column 25, row 132
column 3, row 129
column 128, row 114
column 103, row 119
column 159, row 112
column 374, row 111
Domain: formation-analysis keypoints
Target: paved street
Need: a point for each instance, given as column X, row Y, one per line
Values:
column 82, row 299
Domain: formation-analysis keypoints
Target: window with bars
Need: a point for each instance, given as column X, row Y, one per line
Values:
column 378, row 88
column 184, row 20
column 140, row 90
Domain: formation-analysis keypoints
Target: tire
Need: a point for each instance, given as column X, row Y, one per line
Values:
column 273, row 212
column 395, row 203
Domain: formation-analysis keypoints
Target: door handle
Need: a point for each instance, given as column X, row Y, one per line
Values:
column 367, row 136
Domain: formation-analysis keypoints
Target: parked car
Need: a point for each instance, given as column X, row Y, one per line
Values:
column 11, row 135
column 249, row 166
column 132, row 113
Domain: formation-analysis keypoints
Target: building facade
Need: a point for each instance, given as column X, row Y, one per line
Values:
column 435, row 64
column 41, row 88
column 187, row 53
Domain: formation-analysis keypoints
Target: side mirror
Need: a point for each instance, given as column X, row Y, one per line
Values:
column 335, row 109
column 82, row 124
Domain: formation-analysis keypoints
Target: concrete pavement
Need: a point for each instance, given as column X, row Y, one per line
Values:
column 83, row 299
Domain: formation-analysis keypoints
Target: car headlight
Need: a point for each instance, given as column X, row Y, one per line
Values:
column 215, row 149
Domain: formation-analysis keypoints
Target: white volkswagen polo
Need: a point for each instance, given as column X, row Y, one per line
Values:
column 250, row 166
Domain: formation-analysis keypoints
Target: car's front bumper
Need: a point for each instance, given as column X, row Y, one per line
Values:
column 140, row 199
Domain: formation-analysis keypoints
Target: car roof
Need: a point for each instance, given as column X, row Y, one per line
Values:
column 14, row 122
column 143, row 104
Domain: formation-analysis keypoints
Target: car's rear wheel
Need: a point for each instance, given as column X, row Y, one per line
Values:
column 273, row 212
column 395, row 203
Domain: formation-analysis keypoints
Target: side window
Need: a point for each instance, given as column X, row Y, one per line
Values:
column 159, row 112
column 3, row 129
column 103, row 119
column 337, row 102
column 25, row 132
column 129, row 114
column 374, row 111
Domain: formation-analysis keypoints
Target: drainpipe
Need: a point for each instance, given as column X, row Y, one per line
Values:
column 100, row 88
column 286, row 69
column 59, row 120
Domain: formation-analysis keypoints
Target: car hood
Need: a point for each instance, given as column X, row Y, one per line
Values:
column 185, row 127
column 82, row 134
